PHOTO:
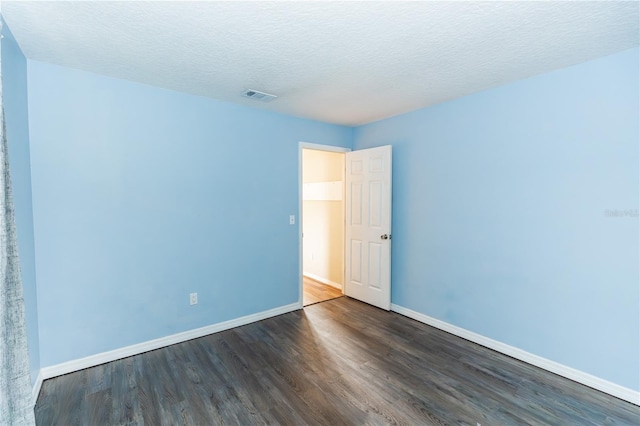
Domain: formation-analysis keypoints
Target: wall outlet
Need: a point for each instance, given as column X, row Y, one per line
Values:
column 193, row 298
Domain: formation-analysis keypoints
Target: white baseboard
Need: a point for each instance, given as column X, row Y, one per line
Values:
column 323, row 280
column 36, row 387
column 546, row 364
column 101, row 358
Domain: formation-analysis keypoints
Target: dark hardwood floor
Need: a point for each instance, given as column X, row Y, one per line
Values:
column 337, row 362
column 314, row 292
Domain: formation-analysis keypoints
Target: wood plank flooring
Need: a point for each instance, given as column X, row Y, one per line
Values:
column 314, row 292
column 338, row 362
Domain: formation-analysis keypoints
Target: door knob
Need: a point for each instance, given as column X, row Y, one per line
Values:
column 384, row 236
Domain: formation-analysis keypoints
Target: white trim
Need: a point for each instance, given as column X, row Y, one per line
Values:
column 546, row 364
column 322, row 280
column 36, row 387
column 101, row 358
column 301, row 146
column 319, row 147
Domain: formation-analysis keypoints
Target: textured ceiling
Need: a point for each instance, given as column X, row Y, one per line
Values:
column 341, row 62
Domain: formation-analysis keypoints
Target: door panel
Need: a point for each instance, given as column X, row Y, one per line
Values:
column 356, row 262
column 368, row 226
column 356, row 205
column 375, row 258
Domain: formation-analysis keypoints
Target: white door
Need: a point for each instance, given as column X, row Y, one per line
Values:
column 368, row 226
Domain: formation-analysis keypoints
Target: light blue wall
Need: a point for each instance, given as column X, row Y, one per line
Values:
column 499, row 221
column 143, row 195
column 14, row 94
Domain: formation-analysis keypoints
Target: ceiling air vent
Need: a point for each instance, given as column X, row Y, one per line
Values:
column 258, row 95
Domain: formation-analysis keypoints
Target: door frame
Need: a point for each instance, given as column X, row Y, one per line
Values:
column 317, row 147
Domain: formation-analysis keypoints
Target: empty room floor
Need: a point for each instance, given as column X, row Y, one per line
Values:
column 314, row 292
column 338, row 362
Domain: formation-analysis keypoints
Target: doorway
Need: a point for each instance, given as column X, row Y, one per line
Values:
column 357, row 259
column 322, row 223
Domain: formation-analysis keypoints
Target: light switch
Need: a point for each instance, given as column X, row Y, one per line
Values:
column 292, row 219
